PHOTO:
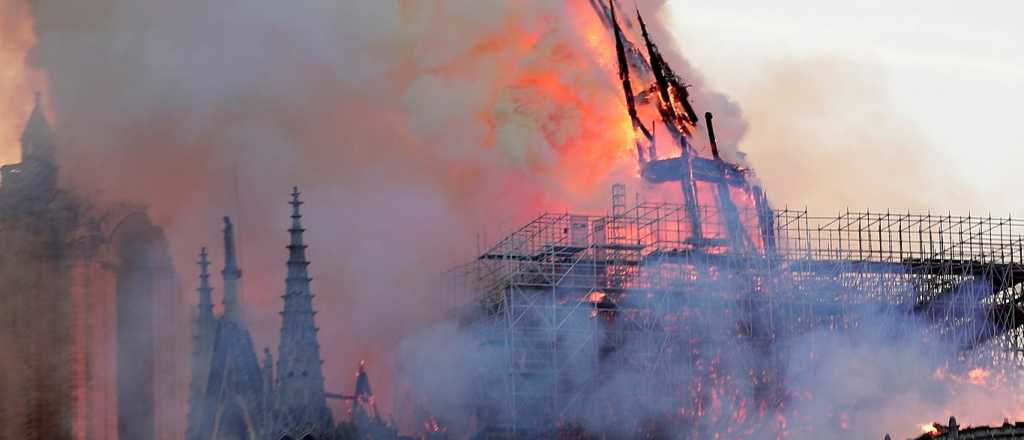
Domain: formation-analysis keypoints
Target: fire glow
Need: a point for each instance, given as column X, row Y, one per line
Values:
column 17, row 79
column 553, row 115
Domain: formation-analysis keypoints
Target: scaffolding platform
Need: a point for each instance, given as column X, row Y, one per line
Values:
column 553, row 289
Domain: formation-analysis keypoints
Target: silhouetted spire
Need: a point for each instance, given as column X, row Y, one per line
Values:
column 300, row 381
column 37, row 140
column 231, row 274
column 203, row 334
column 205, row 291
column 297, row 251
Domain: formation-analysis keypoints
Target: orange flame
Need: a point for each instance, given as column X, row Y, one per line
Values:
column 17, row 79
column 978, row 376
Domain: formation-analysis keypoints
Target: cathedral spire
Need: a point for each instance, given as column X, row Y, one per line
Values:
column 203, row 333
column 301, row 400
column 296, row 250
column 231, row 274
column 205, row 291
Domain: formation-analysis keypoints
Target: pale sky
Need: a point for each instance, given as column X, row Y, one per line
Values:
column 953, row 72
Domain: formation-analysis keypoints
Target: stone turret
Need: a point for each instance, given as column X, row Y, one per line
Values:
column 37, row 171
column 37, row 140
column 301, row 402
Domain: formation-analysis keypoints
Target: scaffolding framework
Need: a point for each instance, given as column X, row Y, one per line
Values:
column 567, row 292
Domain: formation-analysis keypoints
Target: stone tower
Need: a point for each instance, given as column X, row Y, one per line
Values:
column 37, row 171
column 301, row 406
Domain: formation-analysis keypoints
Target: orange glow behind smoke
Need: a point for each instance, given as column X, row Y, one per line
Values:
column 545, row 98
column 552, row 109
column 599, row 134
column 17, row 79
column 978, row 376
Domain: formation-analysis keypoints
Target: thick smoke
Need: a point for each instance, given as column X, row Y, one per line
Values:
column 409, row 125
column 824, row 137
column 702, row 366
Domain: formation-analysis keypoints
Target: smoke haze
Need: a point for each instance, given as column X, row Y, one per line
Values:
column 410, row 126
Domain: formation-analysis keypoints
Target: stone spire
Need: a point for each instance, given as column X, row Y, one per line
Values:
column 203, row 333
column 205, row 307
column 301, row 403
column 37, row 140
column 231, row 274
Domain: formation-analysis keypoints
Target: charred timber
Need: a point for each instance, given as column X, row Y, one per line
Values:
column 704, row 170
column 711, row 135
column 671, row 89
column 627, row 88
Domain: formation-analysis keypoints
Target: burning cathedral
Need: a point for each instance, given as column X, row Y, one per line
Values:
column 687, row 320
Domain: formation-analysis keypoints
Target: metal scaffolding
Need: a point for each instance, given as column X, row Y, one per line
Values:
column 568, row 292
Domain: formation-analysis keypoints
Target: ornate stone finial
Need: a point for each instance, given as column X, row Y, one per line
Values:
column 296, row 203
column 205, row 301
column 203, row 262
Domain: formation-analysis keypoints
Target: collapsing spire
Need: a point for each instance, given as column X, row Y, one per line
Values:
column 671, row 92
column 300, row 382
column 627, row 89
column 231, row 274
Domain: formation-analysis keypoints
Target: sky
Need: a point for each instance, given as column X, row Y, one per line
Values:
column 948, row 76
